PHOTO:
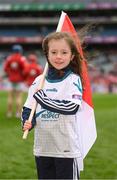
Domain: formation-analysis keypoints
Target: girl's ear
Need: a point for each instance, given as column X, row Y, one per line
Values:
column 72, row 57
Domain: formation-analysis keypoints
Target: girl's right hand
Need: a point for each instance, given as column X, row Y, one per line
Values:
column 27, row 125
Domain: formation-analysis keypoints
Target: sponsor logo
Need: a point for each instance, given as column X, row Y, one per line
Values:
column 14, row 65
column 46, row 115
column 33, row 72
column 66, row 151
column 52, row 90
column 76, row 96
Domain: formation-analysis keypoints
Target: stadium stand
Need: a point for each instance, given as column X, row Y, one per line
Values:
column 56, row 1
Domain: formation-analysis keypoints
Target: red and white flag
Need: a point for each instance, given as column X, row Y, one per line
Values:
column 86, row 118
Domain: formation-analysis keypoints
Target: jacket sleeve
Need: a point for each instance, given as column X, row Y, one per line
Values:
column 6, row 64
column 63, row 107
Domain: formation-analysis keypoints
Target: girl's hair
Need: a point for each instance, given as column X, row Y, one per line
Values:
column 75, row 64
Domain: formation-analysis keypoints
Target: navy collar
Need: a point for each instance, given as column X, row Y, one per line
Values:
column 58, row 75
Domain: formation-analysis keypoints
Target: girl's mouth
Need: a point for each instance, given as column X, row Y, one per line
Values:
column 58, row 62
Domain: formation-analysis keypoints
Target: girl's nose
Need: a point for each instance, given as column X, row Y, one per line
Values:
column 58, row 55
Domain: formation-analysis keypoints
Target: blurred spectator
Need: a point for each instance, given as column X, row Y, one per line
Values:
column 14, row 68
column 0, row 82
column 112, row 77
column 33, row 69
column 100, row 83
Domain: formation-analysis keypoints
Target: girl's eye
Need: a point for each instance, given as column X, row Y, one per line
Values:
column 64, row 52
column 53, row 52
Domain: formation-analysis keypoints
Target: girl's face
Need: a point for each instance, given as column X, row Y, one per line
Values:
column 59, row 53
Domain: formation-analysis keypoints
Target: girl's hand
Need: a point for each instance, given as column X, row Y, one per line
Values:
column 27, row 125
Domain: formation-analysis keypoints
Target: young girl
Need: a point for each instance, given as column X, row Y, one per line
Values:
column 56, row 143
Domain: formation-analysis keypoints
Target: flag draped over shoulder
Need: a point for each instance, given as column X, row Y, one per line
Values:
column 86, row 119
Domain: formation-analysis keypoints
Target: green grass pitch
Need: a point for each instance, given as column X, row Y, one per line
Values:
column 16, row 155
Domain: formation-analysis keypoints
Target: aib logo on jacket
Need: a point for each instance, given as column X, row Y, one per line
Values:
column 46, row 115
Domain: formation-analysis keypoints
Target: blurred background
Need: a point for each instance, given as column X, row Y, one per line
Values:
column 26, row 23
